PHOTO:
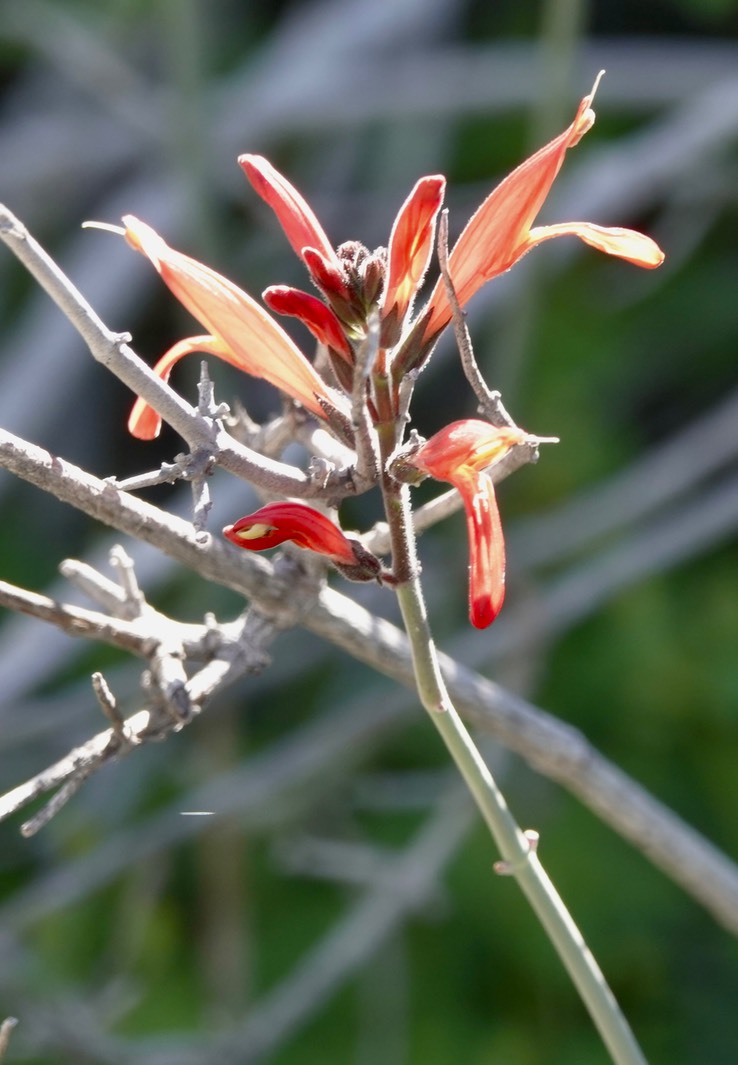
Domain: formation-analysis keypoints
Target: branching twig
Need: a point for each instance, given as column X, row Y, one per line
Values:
column 133, row 598
column 113, row 351
column 552, row 747
column 245, row 654
column 490, row 403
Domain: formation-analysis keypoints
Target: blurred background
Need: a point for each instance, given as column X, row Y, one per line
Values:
column 343, row 907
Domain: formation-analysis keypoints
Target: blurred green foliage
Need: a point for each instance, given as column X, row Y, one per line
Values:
column 612, row 362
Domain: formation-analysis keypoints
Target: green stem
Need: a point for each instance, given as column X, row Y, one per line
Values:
column 517, row 848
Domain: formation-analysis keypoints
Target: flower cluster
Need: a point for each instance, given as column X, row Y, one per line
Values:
column 364, row 293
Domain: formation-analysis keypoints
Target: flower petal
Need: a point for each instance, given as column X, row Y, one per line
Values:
column 494, row 237
column 499, row 232
column 469, row 442
column 627, row 244
column 277, row 522
column 312, row 312
column 143, row 422
column 459, row 454
column 301, row 227
column 486, row 553
column 411, row 245
column 247, row 336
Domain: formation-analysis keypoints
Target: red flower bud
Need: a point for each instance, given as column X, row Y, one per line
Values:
column 304, row 526
column 312, row 312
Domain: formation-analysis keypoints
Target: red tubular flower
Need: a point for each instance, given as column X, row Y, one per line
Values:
column 312, row 312
column 304, row 526
column 410, row 247
column 459, row 454
column 408, row 254
column 301, row 227
column 239, row 331
column 500, row 233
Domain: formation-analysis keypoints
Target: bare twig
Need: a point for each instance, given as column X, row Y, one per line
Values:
column 128, row 635
column 552, row 747
column 490, row 403
column 237, row 658
column 109, row 706
column 138, row 636
column 112, row 350
column 133, row 596
column 58, row 801
column 106, row 593
column 168, row 473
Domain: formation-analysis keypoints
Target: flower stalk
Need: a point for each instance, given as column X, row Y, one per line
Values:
column 517, row 848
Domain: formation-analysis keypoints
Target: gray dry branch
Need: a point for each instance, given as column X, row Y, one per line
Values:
column 550, row 746
column 188, row 664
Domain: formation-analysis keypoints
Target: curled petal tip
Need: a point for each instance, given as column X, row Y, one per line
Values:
column 598, row 79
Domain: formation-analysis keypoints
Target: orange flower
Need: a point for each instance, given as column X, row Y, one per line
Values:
column 500, row 232
column 239, row 331
column 301, row 227
column 339, row 275
column 459, row 454
column 312, row 312
column 409, row 251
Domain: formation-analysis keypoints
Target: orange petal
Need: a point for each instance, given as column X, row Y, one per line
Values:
column 247, row 336
column 312, row 312
column 301, row 227
column 486, row 553
column 494, row 237
column 467, row 443
column 411, row 245
column 626, row 244
column 459, row 453
column 143, row 422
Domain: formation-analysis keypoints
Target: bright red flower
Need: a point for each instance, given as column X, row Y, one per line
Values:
column 500, row 233
column 459, row 454
column 277, row 522
column 239, row 331
column 312, row 312
column 304, row 526
column 410, row 247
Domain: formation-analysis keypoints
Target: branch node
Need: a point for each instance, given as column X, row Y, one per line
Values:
column 122, row 562
column 57, row 802
column 505, row 868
